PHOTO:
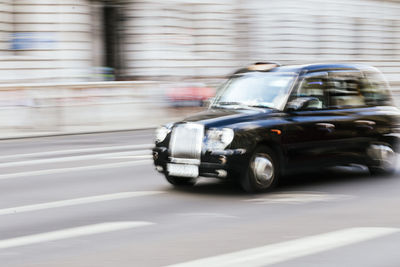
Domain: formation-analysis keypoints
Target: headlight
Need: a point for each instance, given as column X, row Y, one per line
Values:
column 218, row 139
column 162, row 132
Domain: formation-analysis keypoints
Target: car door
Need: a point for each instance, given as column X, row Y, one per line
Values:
column 379, row 117
column 314, row 135
column 357, row 125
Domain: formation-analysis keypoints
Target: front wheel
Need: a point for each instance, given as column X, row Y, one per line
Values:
column 263, row 171
column 180, row 181
column 382, row 159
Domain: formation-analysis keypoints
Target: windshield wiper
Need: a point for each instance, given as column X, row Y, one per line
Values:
column 260, row 106
column 229, row 103
column 239, row 105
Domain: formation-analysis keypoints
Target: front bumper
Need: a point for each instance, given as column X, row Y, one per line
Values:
column 219, row 164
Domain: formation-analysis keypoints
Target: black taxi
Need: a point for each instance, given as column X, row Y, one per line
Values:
column 269, row 120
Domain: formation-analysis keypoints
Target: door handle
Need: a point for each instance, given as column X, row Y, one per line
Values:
column 365, row 124
column 325, row 125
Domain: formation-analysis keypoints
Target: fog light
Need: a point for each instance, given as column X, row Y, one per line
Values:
column 221, row 173
column 159, row 168
column 155, row 155
column 222, row 160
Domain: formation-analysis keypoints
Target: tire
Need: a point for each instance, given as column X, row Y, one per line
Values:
column 382, row 159
column 262, row 173
column 180, row 181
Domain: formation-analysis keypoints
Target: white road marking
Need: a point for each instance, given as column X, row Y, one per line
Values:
column 70, row 233
column 82, row 150
column 298, row 198
column 74, row 169
column 71, row 158
column 77, row 201
column 206, row 215
column 133, row 157
column 276, row 253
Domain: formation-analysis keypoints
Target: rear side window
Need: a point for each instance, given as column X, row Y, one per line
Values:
column 375, row 89
column 344, row 90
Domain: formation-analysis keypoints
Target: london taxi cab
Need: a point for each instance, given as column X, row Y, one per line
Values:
column 269, row 120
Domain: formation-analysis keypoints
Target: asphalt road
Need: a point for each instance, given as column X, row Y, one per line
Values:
column 95, row 200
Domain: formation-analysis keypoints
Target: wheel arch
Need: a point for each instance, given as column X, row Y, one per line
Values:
column 392, row 140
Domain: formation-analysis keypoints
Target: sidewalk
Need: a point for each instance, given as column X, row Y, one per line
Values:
column 60, row 109
column 151, row 120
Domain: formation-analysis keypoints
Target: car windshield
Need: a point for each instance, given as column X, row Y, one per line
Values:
column 265, row 90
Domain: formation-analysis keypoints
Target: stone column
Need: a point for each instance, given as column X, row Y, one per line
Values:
column 5, row 25
column 54, row 36
column 179, row 38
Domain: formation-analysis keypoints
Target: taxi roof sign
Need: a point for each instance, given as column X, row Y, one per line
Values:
column 263, row 66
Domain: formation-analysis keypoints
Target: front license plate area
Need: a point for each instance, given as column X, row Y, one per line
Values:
column 183, row 170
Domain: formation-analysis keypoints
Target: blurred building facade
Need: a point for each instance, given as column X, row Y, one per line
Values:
column 86, row 40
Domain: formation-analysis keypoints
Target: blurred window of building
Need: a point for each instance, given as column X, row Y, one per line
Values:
column 33, row 41
column 112, row 18
column 74, row 40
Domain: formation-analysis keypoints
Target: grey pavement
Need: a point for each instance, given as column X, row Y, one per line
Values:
column 95, row 200
column 90, row 120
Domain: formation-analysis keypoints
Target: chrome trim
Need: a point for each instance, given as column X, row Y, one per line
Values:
column 365, row 122
column 289, row 93
column 186, row 141
column 222, row 173
column 325, row 125
column 263, row 169
column 159, row 168
column 383, row 154
column 397, row 135
column 185, row 161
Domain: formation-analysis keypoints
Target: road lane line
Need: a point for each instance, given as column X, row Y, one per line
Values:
column 74, row 169
column 69, row 151
column 77, row 201
column 298, row 197
column 72, row 158
column 133, row 157
column 70, row 233
column 276, row 253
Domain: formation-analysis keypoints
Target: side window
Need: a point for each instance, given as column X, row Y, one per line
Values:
column 375, row 89
column 313, row 87
column 344, row 90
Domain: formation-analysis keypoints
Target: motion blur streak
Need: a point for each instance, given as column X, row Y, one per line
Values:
column 70, row 233
column 94, row 65
column 77, row 201
column 275, row 253
column 186, row 224
column 71, row 151
column 84, row 84
column 72, row 169
column 74, row 158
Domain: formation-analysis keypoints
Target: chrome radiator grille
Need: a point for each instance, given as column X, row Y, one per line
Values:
column 186, row 141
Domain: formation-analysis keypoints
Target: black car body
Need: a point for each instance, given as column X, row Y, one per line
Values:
column 269, row 120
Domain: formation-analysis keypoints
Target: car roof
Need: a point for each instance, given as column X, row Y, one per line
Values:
column 316, row 67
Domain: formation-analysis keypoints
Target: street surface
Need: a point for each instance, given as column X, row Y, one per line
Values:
column 96, row 200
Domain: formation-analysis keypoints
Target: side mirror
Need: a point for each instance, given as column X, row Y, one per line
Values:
column 208, row 102
column 303, row 103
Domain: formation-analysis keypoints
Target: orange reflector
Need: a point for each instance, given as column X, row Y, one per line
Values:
column 278, row 132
